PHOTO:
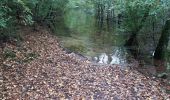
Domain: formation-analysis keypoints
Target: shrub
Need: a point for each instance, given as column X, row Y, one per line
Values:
column 12, row 14
column 24, row 12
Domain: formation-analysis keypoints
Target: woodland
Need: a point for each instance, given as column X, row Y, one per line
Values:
column 85, row 49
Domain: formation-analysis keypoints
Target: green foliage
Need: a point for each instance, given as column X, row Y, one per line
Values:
column 138, row 12
column 25, row 12
column 106, row 5
column 16, row 11
column 45, row 10
column 3, row 19
column 81, row 4
column 12, row 14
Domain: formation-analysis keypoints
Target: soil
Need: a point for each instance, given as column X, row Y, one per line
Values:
column 39, row 69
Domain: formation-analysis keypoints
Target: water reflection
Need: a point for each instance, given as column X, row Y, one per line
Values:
column 100, row 44
column 103, row 43
column 118, row 56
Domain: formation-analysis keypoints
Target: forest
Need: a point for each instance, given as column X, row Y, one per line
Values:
column 85, row 49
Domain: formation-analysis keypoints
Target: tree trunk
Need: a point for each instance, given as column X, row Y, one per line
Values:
column 132, row 44
column 132, row 39
column 163, row 42
column 137, row 29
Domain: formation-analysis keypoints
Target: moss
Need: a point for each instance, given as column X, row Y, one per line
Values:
column 77, row 48
column 8, row 53
column 30, row 57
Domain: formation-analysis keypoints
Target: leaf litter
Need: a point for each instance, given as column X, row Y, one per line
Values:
column 42, row 70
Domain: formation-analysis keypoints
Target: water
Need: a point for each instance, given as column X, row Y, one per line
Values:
column 99, row 44
column 80, row 32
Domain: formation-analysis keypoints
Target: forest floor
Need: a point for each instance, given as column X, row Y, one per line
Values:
column 39, row 69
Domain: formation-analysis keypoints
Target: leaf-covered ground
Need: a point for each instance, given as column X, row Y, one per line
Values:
column 39, row 69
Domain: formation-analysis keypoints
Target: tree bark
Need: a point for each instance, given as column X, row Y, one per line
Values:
column 163, row 42
column 132, row 39
column 132, row 44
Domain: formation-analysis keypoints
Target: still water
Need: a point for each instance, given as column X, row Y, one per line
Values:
column 80, row 32
column 99, row 44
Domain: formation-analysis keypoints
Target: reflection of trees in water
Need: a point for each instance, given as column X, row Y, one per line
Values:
column 99, row 31
column 79, row 21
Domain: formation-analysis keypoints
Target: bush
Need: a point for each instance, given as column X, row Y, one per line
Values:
column 24, row 12
column 12, row 14
column 45, row 11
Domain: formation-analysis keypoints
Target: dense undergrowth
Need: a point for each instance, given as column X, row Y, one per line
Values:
column 14, row 13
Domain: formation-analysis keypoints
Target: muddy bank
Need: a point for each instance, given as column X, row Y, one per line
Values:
column 39, row 69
